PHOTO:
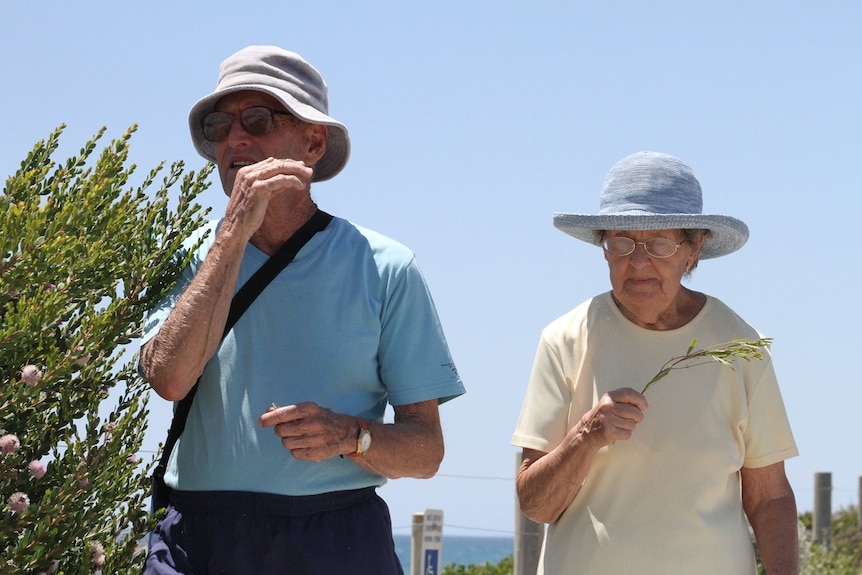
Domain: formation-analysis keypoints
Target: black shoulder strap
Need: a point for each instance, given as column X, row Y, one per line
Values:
column 273, row 266
column 240, row 302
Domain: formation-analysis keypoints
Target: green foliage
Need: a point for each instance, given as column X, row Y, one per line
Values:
column 505, row 567
column 82, row 256
column 722, row 353
column 843, row 554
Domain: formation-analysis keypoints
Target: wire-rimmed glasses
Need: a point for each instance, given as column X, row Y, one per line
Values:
column 621, row 246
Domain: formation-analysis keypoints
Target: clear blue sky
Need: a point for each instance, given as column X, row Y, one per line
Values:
column 472, row 122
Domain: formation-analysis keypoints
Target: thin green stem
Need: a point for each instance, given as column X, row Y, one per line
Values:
column 721, row 353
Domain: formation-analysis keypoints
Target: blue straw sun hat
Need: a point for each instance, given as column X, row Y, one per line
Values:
column 289, row 79
column 654, row 191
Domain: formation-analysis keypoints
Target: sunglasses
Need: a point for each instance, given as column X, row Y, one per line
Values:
column 256, row 120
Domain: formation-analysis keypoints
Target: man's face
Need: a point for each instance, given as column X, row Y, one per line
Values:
column 290, row 138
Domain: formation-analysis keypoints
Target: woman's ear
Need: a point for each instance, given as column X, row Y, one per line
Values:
column 695, row 254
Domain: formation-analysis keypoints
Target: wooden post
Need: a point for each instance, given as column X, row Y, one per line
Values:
column 416, row 544
column 528, row 537
column 822, row 520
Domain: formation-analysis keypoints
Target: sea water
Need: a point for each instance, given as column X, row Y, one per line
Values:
column 461, row 550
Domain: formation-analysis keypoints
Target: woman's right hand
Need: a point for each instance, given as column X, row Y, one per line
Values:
column 613, row 418
column 547, row 483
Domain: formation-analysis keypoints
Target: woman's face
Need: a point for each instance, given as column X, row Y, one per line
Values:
column 649, row 289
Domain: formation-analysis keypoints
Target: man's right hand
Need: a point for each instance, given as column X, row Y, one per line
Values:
column 255, row 185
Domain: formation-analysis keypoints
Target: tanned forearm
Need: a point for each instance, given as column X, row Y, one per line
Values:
column 776, row 532
column 771, row 509
column 174, row 359
column 412, row 446
column 548, row 483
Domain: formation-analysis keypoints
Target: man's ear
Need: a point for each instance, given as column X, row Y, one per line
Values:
column 316, row 138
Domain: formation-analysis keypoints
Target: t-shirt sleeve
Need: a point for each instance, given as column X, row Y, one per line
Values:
column 768, row 437
column 544, row 418
column 415, row 361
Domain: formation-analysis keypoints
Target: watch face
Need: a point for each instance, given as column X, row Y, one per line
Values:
column 364, row 440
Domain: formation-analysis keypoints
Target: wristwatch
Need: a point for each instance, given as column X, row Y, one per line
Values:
column 363, row 440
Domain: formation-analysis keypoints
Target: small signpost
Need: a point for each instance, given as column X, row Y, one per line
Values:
column 432, row 542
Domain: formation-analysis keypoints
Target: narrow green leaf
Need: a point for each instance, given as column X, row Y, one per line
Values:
column 722, row 353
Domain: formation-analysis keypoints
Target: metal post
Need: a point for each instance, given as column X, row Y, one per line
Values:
column 528, row 537
column 822, row 519
column 416, row 544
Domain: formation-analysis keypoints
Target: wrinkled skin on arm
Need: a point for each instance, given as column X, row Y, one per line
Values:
column 547, row 483
column 770, row 505
column 411, row 446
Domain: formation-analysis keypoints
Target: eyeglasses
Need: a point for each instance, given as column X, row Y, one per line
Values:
column 656, row 247
column 256, row 120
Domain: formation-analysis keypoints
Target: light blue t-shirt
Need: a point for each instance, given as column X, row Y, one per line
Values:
column 349, row 324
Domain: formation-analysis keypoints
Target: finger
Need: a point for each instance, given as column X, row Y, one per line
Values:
column 627, row 419
column 622, row 434
column 629, row 396
column 292, row 435
column 259, row 182
column 283, row 172
column 311, row 448
column 254, row 193
column 611, row 421
column 306, row 454
column 610, row 410
column 289, row 413
column 275, row 415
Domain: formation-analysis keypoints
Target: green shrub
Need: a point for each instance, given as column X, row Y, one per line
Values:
column 82, row 255
column 505, row 567
column 843, row 553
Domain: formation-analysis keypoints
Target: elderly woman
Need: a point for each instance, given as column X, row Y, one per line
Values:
column 666, row 482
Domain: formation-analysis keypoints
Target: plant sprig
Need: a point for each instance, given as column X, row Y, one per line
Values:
column 723, row 353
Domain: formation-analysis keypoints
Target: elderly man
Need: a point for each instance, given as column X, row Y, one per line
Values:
column 260, row 482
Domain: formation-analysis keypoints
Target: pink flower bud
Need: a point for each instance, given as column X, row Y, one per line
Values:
column 110, row 427
column 31, row 374
column 97, row 555
column 9, row 443
column 133, row 458
column 84, row 482
column 84, row 358
column 37, row 469
column 18, row 502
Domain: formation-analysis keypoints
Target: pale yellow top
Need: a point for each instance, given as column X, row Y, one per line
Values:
column 667, row 500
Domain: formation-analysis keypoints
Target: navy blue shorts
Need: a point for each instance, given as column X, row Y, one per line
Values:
column 238, row 533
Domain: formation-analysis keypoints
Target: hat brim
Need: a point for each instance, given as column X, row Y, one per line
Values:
column 337, row 141
column 727, row 234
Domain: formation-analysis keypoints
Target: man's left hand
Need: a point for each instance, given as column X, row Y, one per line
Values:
column 311, row 432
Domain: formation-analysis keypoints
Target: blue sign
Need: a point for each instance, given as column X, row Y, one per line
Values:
column 432, row 562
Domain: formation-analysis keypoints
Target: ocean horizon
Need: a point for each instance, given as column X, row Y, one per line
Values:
column 461, row 550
